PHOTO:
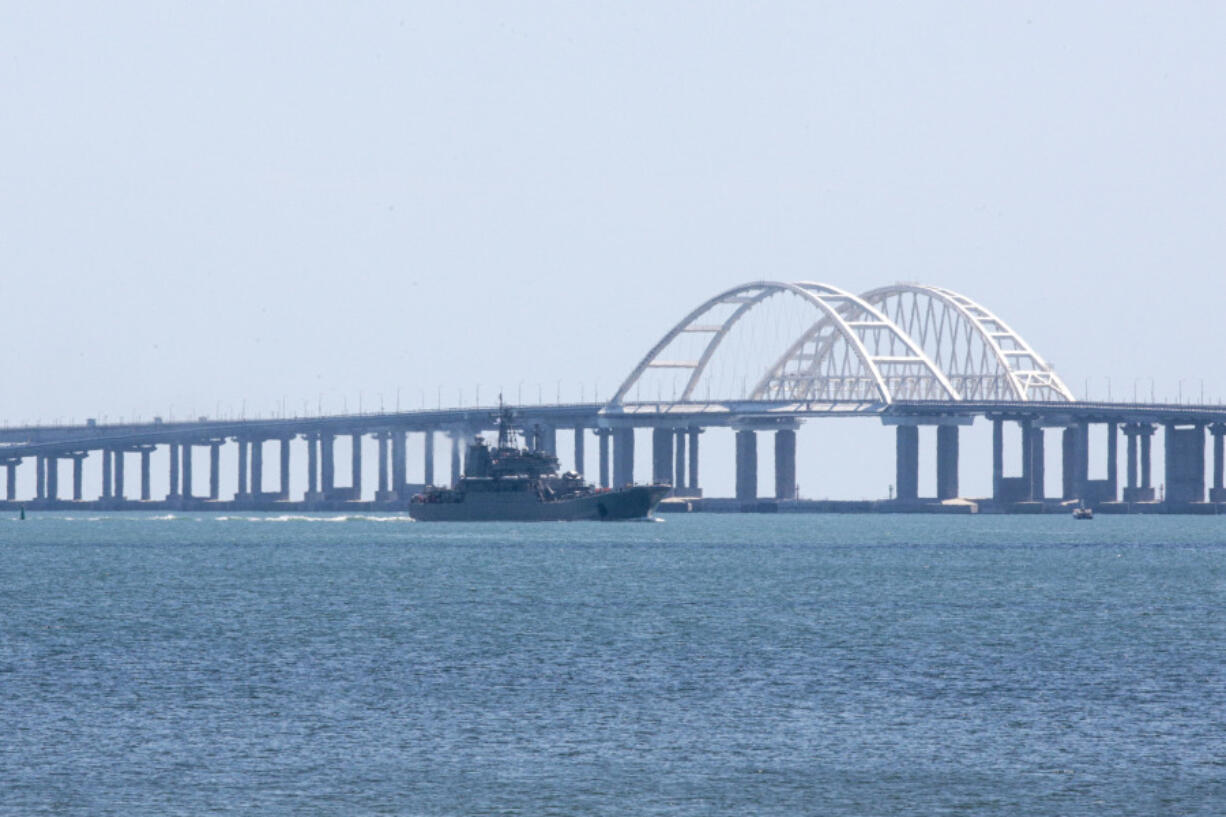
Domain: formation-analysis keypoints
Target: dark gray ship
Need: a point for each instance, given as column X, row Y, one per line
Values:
column 513, row 484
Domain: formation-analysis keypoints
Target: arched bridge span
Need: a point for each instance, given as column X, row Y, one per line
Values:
column 899, row 342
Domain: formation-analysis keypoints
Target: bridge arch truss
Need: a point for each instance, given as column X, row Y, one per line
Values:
column 851, row 350
column 981, row 355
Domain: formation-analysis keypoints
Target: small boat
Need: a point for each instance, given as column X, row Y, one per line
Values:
column 1083, row 513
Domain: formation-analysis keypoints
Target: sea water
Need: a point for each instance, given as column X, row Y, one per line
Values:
column 704, row 664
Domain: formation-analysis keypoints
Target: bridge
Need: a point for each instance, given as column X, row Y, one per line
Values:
column 760, row 358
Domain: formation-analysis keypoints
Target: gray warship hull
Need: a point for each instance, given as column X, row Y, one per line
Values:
column 634, row 502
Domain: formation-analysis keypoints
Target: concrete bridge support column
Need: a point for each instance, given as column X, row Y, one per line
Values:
column 947, row 462
column 998, row 458
column 77, row 475
column 694, row 489
column 623, row 456
column 1113, row 462
column 40, row 476
column 312, row 491
column 215, row 470
column 746, row 464
column 549, row 440
column 603, row 434
column 1075, row 460
column 53, row 478
column 382, row 491
column 1132, row 491
column 1185, row 464
column 355, row 470
column 662, row 455
column 1218, row 492
column 145, row 455
column 785, row 464
column 257, row 469
column 429, row 458
column 457, row 466
column 327, row 464
column 283, row 488
column 243, row 458
column 173, row 476
column 1029, row 432
column 579, row 453
column 187, row 470
column 1130, row 478
column 1038, row 462
column 1147, row 470
column 399, row 465
column 906, row 462
column 679, row 462
column 10, row 479
column 107, row 473
column 119, row 452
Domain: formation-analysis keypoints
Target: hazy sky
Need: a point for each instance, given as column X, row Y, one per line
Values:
column 206, row 204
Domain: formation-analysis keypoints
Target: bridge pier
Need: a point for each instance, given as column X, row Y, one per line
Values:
column 172, row 477
column 327, row 464
column 1185, row 463
column 1218, row 492
column 1029, row 486
column 118, row 463
column 746, row 464
column 785, row 463
column 146, row 452
column 457, row 467
column 381, row 492
column 693, row 487
column 106, row 474
column 10, row 479
column 662, row 455
column 355, row 464
column 215, row 470
column 399, row 465
column 906, row 462
column 257, row 469
column 906, row 455
column 283, row 487
column 187, row 471
column 1144, row 433
column 1033, row 460
column 78, row 468
column 1075, row 461
column 243, row 458
column 679, row 440
column 53, row 478
column 312, row 491
column 579, row 452
column 428, row 457
column 603, row 434
column 947, row 462
column 623, row 456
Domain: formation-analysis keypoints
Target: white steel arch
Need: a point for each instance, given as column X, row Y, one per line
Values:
column 982, row 356
column 861, row 355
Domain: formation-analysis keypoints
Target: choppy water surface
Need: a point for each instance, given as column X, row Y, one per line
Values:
column 701, row 665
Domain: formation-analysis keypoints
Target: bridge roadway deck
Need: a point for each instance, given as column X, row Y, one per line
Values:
column 49, row 445
column 33, row 440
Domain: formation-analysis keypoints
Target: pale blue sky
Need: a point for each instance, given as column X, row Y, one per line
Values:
column 202, row 204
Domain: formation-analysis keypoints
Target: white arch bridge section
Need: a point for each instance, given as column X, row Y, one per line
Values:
column 808, row 342
column 825, row 344
column 982, row 356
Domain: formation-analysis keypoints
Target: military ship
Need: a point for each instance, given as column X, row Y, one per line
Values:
column 509, row 483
